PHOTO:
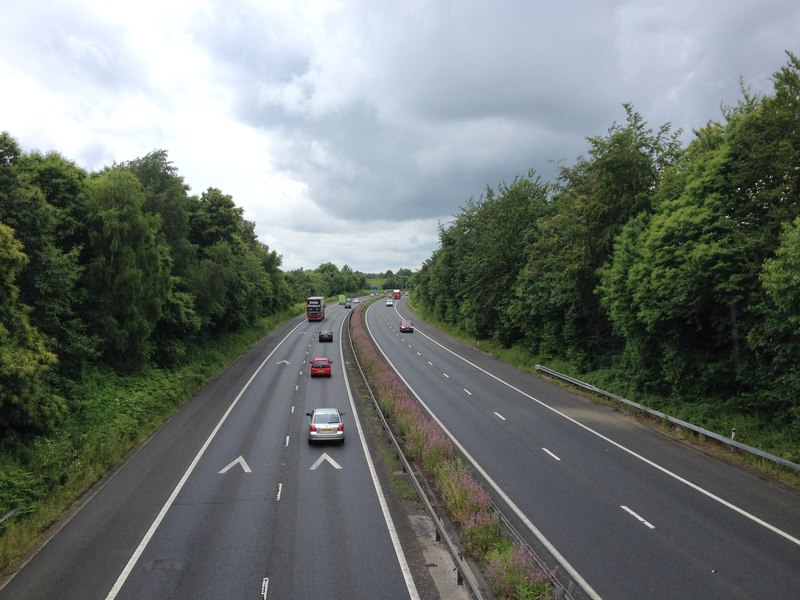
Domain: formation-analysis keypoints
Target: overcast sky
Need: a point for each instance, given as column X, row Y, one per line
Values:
column 348, row 130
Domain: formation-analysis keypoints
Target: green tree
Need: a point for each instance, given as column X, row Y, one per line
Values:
column 439, row 287
column 27, row 405
column 237, row 278
column 303, row 284
column 776, row 339
column 684, row 289
column 556, row 306
column 127, row 268
column 500, row 234
column 42, row 206
column 166, row 195
column 214, row 217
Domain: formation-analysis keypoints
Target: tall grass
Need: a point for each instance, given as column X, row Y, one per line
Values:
column 510, row 569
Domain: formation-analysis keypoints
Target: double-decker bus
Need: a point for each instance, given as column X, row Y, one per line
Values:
column 315, row 308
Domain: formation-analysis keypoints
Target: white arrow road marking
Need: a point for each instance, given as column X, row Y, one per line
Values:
column 282, row 361
column 123, row 577
column 551, row 454
column 240, row 461
column 637, row 517
column 325, row 457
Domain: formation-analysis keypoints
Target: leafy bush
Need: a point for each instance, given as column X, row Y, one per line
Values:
column 513, row 575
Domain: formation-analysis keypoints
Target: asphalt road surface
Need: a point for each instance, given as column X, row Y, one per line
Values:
column 631, row 513
column 228, row 500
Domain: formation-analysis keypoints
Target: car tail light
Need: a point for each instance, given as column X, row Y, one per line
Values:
column 312, row 427
column 341, row 426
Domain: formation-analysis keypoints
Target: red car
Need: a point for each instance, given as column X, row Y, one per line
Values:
column 406, row 327
column 321, row 367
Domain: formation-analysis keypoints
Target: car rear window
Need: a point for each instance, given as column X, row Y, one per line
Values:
column 325, row 418
column 319, row 364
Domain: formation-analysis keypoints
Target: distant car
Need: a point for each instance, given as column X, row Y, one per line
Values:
column 406, row 327
column 325, row 424
column 321, row 367
column 355, row 300
column 348, row 305
column 325, row 335
column 389, row 302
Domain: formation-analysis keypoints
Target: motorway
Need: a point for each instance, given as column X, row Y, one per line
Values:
column 228, row 500
column 631, row 513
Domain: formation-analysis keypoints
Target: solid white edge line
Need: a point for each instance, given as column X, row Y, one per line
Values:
column 645, row 460
column 150, row 532
column 398, row 548
column 517, row 511
column 88, row 499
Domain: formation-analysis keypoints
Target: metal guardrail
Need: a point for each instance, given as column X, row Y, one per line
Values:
column 8, row 515
column 670, row 419
column 465, row 574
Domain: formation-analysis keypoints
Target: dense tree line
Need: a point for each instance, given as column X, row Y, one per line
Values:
column 678, row 266
column 396, row 281
column 326, row 280
column 123, row 267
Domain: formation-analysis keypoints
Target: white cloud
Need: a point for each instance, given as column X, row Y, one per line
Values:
column 348, row 130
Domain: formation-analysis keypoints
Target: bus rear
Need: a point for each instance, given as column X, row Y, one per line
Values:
column 315, row 308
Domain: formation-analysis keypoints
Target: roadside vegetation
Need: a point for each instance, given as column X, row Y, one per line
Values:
column 668, row 275
column 121, row 293
column 511, row 570
column 112, row 413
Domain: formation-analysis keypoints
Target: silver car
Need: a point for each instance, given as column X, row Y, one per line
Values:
column 325, row 424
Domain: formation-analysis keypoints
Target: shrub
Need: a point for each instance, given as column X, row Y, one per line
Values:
column 514, row 575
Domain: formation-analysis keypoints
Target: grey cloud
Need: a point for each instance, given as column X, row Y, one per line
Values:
column 394, row 113
column 72, row 48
